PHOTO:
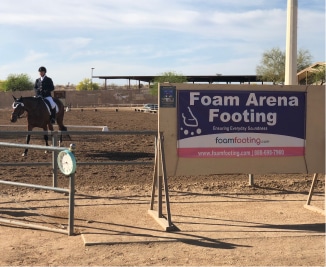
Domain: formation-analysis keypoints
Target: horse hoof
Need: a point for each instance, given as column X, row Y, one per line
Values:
column 24, row 154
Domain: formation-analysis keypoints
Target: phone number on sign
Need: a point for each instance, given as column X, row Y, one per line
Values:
column 268, row 152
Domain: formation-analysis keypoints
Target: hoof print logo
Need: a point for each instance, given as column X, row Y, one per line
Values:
column 190, row 122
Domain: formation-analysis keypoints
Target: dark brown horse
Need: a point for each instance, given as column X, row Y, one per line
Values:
column 37, row 115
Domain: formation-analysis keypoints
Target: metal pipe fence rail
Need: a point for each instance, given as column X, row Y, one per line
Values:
column 82, row 132
column 103, row 127
column 157, row 182
column 70, row 191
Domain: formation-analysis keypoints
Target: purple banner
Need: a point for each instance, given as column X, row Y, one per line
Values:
column 240, row 124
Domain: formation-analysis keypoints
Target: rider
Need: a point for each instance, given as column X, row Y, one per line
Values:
column 43, row 88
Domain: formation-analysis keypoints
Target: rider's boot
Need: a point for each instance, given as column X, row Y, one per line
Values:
column 52, row 118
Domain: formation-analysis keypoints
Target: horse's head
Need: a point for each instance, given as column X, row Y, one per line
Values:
column 18, row 107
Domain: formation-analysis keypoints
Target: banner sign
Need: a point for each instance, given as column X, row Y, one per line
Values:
column 222, row 124
column 167, row 96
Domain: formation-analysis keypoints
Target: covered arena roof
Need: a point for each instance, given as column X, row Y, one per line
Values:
column 190, row 78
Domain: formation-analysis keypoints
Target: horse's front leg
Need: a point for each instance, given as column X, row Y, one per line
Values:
column 28, row 138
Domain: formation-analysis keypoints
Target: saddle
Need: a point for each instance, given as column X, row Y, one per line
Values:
column 47, row 104
column 52, row 112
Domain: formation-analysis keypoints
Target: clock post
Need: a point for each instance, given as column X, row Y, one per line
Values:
column 72, row 148
column 67, row 165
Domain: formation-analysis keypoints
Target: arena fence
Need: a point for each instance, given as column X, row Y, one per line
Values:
column 160, row 180
column 103, row 128
column 70, row 191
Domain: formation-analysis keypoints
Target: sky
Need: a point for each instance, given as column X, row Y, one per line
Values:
column 149, row 37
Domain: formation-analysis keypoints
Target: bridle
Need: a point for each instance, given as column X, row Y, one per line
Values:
column 18, row 110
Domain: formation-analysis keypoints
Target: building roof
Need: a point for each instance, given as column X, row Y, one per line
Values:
column 302, row 75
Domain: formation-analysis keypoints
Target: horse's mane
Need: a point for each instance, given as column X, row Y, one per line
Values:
column 31, row 98
column 32, row 103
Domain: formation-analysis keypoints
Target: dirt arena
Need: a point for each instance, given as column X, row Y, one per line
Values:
column 222, row 220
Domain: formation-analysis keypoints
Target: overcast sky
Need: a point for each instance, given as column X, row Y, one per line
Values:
column 149, row 37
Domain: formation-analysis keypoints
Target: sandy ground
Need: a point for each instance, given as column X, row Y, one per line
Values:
column 222, row 221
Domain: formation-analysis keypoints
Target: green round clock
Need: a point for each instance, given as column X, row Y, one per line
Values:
column 66, row 162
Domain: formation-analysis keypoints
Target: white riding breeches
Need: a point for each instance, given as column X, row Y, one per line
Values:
column 52, row 103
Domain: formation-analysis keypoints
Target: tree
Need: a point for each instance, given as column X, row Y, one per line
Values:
column 2, row 85
column 170, row 76
column 17, row 82
column 272, row 65
column 87, row 85
column 320, row 75
column 303, row 59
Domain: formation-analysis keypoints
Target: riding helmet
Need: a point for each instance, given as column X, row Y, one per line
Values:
column 42, row 69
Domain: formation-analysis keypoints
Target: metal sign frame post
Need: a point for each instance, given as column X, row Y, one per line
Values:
column 160, row 184
column 308, row 205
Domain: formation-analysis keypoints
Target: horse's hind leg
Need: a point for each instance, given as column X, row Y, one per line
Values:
column 63, row 128
column 60, row 140
column 60, row 116
column 46, row 137
column 28, row 138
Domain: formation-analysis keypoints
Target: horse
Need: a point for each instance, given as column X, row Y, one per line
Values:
column 37, row 115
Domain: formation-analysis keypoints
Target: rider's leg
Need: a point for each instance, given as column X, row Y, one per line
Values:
column 53, row 109
column 53, row 112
